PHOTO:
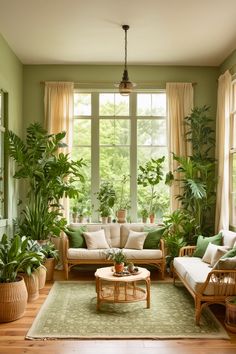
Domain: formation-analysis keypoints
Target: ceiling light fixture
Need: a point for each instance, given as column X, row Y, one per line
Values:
column 126, row 86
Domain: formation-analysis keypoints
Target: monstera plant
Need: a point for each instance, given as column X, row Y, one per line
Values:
column 50, row 176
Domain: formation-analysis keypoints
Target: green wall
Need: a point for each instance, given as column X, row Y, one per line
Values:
column 205, row 77
column 11, row 81
column 229, row 63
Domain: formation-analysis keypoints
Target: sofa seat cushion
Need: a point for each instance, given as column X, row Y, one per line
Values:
column 142, row 254
column 194, row 271
column 85, row 254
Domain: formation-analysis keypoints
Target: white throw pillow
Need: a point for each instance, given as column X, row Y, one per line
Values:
column 213, row 253
column 96, row 240
column 136, row 240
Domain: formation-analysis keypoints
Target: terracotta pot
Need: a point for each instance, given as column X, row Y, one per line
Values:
column 152, row 218
column 121, row 216
column 119, row 267
column 32, row 285
column 13, row 300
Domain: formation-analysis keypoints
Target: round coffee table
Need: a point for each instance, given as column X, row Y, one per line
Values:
column 122, row 289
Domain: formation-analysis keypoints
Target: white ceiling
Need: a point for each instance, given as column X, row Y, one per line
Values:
column 171, row 32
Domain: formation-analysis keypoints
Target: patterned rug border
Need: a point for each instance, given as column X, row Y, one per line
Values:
column 221, row 335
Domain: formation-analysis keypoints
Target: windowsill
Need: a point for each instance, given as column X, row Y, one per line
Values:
column 3, row 222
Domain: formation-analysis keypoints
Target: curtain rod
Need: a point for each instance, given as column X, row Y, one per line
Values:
column 109, row 82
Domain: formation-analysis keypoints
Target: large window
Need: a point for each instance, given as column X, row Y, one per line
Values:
column 233, row 160
column 115, row 134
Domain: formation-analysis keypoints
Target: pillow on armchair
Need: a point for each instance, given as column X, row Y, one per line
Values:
column 203, row 242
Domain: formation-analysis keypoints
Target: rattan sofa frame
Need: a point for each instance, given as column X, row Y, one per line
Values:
column 69, row 263
column 224, row 282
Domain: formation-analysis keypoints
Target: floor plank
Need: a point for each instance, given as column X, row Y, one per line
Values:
column 12, row 334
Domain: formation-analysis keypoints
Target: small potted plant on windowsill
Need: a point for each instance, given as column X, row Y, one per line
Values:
column 118, row 257
column 123, row 202
column 144, row 213
column 106, row 197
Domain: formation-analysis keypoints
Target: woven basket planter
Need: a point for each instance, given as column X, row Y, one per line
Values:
column 230, row 315
column 50, row 265
column 32, row 285
column 13, row 300
column 41, row 271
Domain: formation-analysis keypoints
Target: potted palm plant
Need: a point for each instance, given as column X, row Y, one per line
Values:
column 14, row 256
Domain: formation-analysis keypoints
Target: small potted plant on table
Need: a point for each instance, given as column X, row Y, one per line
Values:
column 119, row 259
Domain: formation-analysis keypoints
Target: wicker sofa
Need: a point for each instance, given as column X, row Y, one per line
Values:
column 116, row 236
column 205, row 283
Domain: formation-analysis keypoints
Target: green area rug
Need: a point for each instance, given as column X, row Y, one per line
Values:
column 69, row 312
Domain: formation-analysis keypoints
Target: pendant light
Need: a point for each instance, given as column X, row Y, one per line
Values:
column 126, row 86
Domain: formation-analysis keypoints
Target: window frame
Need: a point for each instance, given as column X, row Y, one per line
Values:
column 95, row 144
column 232, row 153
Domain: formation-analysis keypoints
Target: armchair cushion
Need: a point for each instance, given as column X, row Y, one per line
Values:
column 203, row 242
column 213, row 253
column 226, row 263
column 231, row 253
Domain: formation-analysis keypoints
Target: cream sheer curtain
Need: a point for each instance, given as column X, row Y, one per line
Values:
column 58, row 104
column 179, row 105
column 222, row 150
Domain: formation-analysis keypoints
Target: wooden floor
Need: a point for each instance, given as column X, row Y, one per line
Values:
column 12, row 335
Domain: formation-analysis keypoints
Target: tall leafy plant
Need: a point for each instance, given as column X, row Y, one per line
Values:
column 50, row 175
column 196, row 173
column 150, row 175
column 106, row 197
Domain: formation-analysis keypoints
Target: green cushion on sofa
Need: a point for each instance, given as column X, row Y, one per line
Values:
column 154, row 235
column 75, row 236
column 203, row 242
column 230, row 254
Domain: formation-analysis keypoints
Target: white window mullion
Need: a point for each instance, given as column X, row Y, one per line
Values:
column 133, row 158
column 95, row 155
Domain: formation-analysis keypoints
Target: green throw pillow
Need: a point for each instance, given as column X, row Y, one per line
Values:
column 154, row 235
column 203, row 242
column 76, row 238
column 230, row 254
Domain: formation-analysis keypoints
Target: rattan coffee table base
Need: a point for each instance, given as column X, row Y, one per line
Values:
column 111, row 289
